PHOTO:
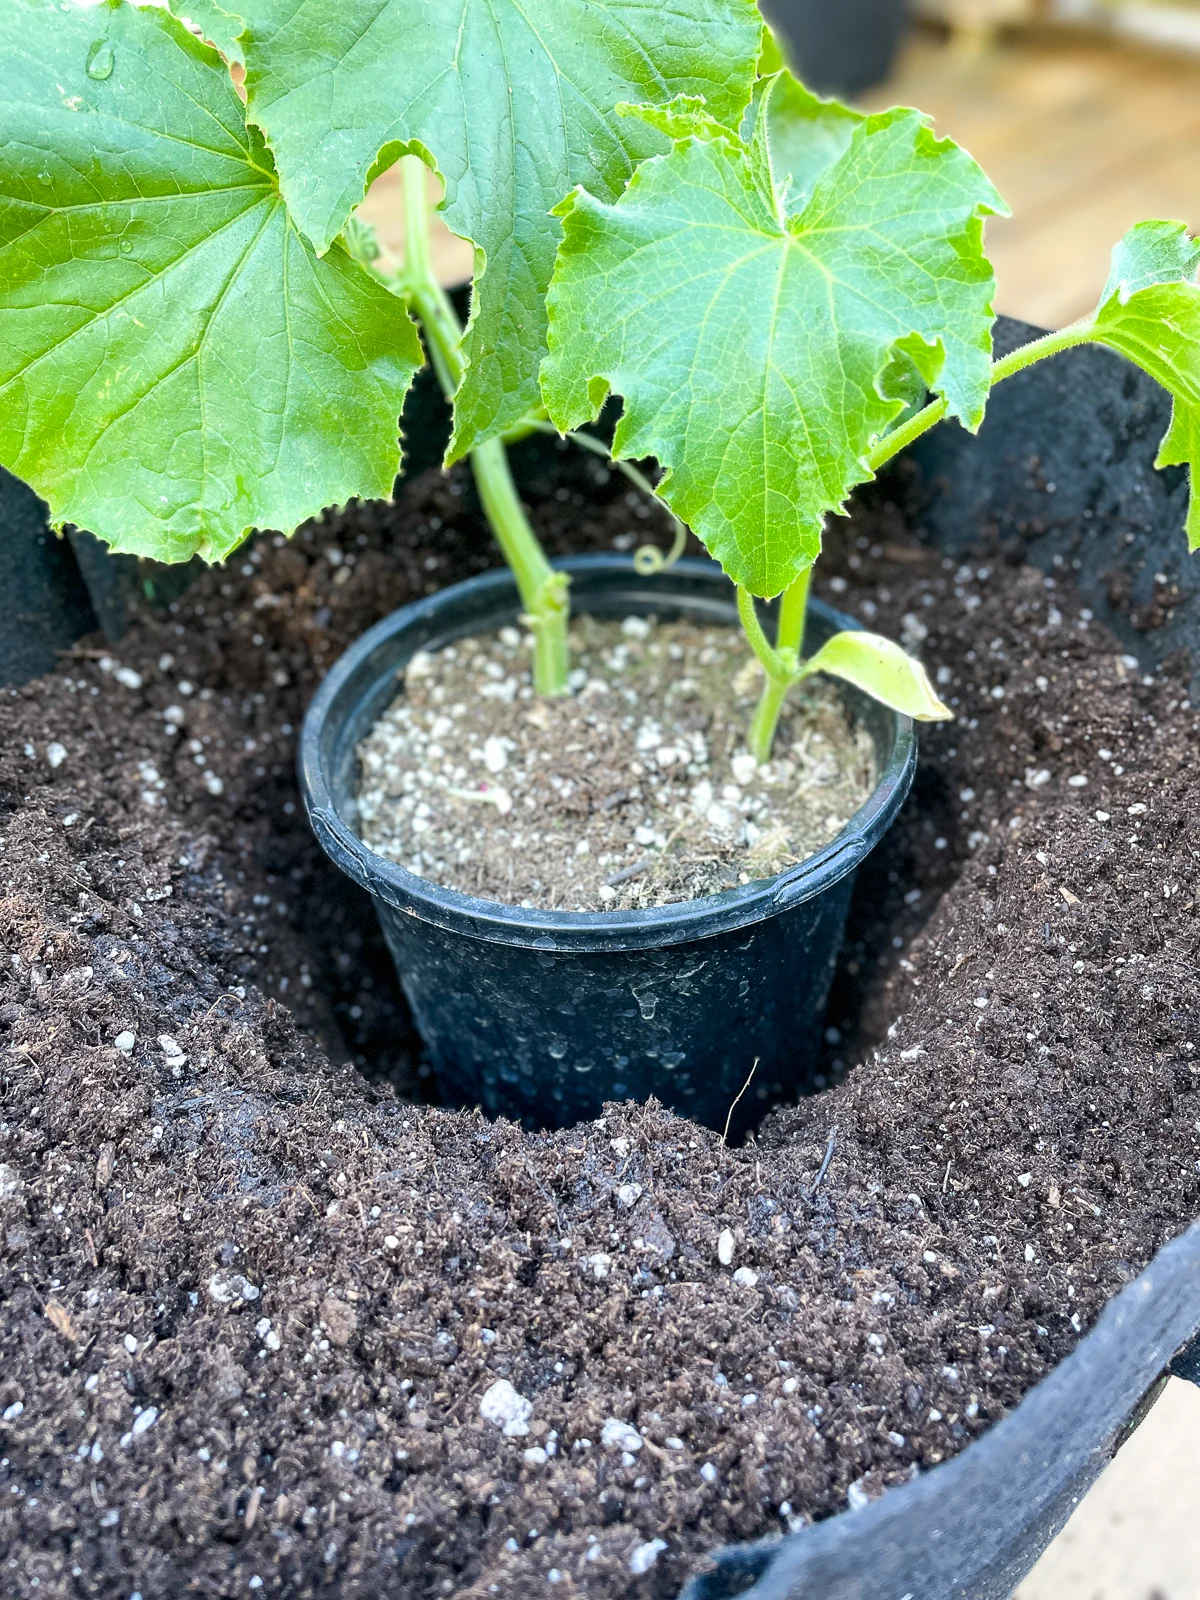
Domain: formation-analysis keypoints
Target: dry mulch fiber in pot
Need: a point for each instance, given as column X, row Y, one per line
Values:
column 272, row 1323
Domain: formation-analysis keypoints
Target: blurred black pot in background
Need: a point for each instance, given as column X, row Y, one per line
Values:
column 839, row 46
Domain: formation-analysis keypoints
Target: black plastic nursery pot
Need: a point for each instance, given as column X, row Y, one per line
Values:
column 844, row 48
column 546, row 1015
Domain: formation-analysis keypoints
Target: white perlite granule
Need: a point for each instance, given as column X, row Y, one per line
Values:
column 636, row 790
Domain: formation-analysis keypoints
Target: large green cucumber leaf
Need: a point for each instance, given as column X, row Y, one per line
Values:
column 513, row 102
column 177, row 366
column 761, row 345
column 1150, row 313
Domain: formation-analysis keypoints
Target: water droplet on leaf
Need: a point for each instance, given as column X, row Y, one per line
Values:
column 126, row 247
column 100, row 60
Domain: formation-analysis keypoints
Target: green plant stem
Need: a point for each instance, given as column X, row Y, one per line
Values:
column 765, row 720
column 784, row 664
column 1036, row 350
column 892, row 443
column 544, row 592
column 793, row 611
column 439, row 320
column 781, row 665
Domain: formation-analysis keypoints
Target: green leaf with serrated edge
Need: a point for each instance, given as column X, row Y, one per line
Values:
column 176, row 364
column 882, row 670
column 513, row 102
column 1151, row 253
column 761, row 352
column 1150, row 313
column 771, row 56
column 220, row 27
column 808, row 134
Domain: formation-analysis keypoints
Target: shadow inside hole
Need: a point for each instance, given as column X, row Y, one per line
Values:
column 365, row 1018
column 360, row 1013
column 895, row 894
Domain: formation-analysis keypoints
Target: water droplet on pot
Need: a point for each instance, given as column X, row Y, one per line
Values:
column 557, row 1047
column 648, row 1005
column 672, row 1059
column 100, row 60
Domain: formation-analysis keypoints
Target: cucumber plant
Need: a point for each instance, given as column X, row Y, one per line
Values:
column 195, row 340
column 783, row 306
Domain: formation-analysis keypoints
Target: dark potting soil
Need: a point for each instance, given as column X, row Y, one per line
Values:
column 254, row 1301
column 636, row 790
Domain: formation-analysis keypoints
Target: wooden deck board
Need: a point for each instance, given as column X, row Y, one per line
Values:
column 1083, row 137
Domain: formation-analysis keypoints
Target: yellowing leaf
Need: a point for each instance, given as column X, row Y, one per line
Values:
column 881, row 669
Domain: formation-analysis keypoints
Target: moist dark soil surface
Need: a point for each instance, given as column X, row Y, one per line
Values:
column 255, row 1291
column 636, row 790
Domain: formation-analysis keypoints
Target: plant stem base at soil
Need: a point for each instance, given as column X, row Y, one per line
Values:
column 781, row 664
column 544, row 592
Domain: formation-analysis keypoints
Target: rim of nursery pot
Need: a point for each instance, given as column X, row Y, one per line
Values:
column 365, row 679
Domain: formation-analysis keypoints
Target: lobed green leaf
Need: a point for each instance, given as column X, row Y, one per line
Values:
column 764, row 335
column 177, row 366
column 513, row 102
column 807, row 135
column 1150, row 313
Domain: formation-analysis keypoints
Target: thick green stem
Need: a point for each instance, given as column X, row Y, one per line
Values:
column 892, row 444
column 765, row 720
column 781, row 665
column 439, row 320
column 793, row 610
column 1036, row 350
column 543, row 591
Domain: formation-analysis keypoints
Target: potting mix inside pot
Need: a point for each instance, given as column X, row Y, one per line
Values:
column 274, row 1319
column 636, row 792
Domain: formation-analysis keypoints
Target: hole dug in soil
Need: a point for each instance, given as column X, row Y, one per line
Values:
column 253, row 1298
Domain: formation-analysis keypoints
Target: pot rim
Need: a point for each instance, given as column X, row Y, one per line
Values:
column 500, row 923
